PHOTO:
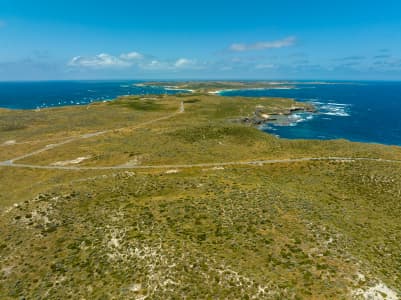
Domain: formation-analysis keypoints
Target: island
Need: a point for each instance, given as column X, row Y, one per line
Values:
column 182, row 196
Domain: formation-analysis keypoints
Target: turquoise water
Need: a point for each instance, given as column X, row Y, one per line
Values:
column 357, row 111
column 30, row 95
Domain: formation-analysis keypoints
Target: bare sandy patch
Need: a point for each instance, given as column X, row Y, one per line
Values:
column 133, row 162
column 7, row 270
column 380, row 291
column 213, row 169
column 9, row 143
column 78, row 160
column 174, row 171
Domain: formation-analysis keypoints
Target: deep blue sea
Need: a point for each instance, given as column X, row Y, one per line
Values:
column 31, row 95
column 357, row 111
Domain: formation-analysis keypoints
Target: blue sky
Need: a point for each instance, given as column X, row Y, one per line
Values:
column 51, row 40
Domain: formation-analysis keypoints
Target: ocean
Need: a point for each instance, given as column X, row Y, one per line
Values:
column 357, row 111
column 32, row 95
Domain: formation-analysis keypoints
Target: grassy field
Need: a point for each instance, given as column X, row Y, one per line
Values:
column 289, row 230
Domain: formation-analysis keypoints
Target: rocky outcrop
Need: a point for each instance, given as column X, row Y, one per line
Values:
column 261, row 117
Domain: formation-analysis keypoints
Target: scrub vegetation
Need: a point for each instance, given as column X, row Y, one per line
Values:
column 327, row 229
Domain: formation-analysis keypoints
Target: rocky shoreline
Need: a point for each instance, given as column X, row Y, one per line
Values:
column 260, row 117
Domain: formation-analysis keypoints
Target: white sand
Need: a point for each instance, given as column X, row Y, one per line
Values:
column 10, row 142
column 71, row 162
column 378, row 292
column 213, row 169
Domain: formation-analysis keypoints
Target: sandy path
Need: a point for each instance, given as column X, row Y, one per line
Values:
column 220, row 164
column 89, row 135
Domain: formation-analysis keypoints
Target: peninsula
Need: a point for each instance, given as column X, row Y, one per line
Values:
column 182, row 196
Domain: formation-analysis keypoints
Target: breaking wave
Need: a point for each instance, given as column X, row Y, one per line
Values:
column 333, row 108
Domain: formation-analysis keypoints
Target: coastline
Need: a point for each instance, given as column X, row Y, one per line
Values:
column 344, row 111
column 220, row 92
column 43, row 95
column 330, row 120
column 168, row 88
column 165, row 87
column 39, row 108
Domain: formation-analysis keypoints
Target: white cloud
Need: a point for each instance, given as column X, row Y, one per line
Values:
column 154, row 65
column 105, row 60
column 183, row 62
column 131, row 56
column 179, row 64
column 125, row 60
column 102, row 60
column 289, row 41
